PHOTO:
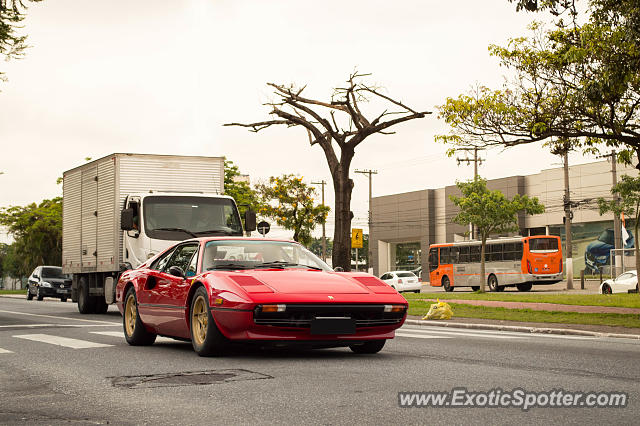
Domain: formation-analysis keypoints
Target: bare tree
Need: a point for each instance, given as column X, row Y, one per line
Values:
column 321, row 121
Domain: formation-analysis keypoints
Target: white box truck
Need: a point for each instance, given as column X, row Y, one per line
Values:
column 122, row 209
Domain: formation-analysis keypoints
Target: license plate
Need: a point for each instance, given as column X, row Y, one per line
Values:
column 63, row 291
column 333, row 326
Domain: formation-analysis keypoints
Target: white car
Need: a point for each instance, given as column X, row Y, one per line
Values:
column 621, row 284
column 402, row 281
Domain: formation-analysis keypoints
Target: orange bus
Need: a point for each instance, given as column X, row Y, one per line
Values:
column 509, row 262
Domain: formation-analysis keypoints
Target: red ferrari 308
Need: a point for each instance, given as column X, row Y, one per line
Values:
column 216, row 290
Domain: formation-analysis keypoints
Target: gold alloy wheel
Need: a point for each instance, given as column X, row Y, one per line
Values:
column 130, row 315
column 199, row 320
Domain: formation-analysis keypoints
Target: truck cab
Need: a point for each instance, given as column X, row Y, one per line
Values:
column 153, row 221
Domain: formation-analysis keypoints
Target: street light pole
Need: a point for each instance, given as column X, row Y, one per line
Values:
column 324, row 238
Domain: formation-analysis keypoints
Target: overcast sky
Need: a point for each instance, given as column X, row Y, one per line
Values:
column 163, row 76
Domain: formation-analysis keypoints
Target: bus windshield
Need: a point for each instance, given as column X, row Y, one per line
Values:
column 543, row 245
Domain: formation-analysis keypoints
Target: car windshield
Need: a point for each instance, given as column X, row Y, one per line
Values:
column 606, row 237
column 253, row 254
column 543, row 245
column 180, row 217
column 50, row 272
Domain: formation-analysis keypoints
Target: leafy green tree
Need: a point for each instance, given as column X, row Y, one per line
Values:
column 239, row 189
column 316, row 247
column 289, row 201
column 490, row 212
column 3, row 255
column 573, row 81
column 12, row 263
column 37, row 233
column 12, row 45
column 629, row 191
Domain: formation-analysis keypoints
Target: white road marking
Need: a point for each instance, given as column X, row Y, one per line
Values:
column 506, row 334
column 61, row 341
column 423, row 336
column 5, row 351
column 61, row 318
column 25, row 325
column 463, row 333
column 159, row 339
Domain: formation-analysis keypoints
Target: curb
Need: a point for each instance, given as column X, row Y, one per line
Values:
column 520, row 329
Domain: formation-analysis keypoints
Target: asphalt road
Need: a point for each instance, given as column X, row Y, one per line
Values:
column 60, row 367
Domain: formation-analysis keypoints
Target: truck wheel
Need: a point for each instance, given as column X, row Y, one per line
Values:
column 100, row 305
column 134, row 331
column 85, row 302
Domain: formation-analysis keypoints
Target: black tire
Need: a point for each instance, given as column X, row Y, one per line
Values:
column 29, row 295
column 86, row 304
column 524, row 286
column 446, row 284
column 135, row 332
column 606, row 289
column 63, row 299
column 492, row 282
column 206, row 339
column 370, row 347
column 100, row 305
column 417, row 291
column 38, row 295
column 475, row 287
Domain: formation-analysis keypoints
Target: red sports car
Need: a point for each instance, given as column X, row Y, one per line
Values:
column 216, row 290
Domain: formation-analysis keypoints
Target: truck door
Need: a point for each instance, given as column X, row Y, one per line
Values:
column 135, row 243
column 89, row 222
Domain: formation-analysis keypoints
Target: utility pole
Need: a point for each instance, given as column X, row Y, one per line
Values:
column 475, row 161
column 324, row 238
column 617, row 228
column 568, row 215
column 368, row 172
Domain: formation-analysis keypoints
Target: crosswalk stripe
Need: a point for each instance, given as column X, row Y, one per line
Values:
column 5, row 351
column 159, row 339
column 423, row 336
column 61, row 341
column 462, row 333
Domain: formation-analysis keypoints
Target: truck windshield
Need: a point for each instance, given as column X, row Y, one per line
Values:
column 181, row 217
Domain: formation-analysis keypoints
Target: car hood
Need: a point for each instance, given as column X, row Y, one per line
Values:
column 295, row 281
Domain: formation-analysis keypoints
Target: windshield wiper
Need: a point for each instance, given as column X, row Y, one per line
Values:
column 227, row 266
column 176, row 229
column 216, row 231
column 282, row 265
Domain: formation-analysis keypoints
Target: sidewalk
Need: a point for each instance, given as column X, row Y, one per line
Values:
column 553, row 307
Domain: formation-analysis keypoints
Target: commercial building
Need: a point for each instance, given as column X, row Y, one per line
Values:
column 404, row 225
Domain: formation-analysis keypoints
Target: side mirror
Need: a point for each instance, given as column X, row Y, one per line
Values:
column 176, row 271
column 126, row 219
column 249, row 220
column 338, row 269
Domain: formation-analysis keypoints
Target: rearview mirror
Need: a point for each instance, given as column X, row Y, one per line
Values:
column 126, row 219
column 249, row 220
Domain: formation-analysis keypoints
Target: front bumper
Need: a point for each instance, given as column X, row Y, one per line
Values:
column 54, row 291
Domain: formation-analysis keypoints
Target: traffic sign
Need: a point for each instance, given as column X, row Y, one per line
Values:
column 263, row 227
column 356, row 238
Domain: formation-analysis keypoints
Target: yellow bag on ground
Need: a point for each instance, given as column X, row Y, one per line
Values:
column 440, row 310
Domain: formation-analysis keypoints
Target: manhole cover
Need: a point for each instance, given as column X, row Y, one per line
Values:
column 186, row 378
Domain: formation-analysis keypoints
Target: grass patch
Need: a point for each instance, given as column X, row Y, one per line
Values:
column 619, row 300
column 13, row 291
column 420, row 307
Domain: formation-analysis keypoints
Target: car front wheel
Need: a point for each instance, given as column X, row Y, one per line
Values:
column 371, row 347
column 205, row 336
column 39, row 295
column 29, row 295
column 606, row 289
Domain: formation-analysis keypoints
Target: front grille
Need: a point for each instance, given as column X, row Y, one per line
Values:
column 300, row 316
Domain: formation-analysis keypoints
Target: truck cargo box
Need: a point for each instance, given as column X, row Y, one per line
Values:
column 94, row 195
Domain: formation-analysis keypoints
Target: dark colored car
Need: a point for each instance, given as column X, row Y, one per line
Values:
column 48, row 281
column 597, row 253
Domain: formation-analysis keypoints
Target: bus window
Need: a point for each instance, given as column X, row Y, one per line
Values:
column 543, row 245
column 519, row 250
column 510, row 252
column 455, row 254
column 445, row 255
column 474, row 256
column 494, row 252
column 433, row 259
column 464, row 254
